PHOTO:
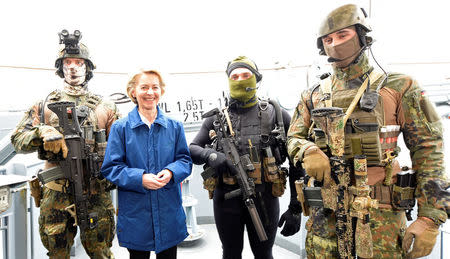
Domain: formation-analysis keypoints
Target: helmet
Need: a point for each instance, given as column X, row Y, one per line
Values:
column 73, row 49
column 343, row 17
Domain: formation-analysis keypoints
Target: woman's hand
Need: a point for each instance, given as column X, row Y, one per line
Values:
column 151, row 181
column 155, row 182
column 164, row 176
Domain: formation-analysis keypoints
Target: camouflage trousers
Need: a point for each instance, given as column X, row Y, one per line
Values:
column 57, row 231
column 388, row 228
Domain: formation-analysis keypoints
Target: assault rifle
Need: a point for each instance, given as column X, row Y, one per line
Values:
column 239, row 165
column 351, row 203
column 80, row 165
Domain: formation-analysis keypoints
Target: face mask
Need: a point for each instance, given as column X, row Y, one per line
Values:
column 74, row 75
column 343, row 54
column 243, row 90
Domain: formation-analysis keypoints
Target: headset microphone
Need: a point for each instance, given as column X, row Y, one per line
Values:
column 331, row 59
column 248, row 89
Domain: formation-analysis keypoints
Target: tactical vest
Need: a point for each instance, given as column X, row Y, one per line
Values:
column 253, row 132
column 94, row 137
column 366, row 132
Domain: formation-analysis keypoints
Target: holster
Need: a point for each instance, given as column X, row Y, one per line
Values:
column 279, row 185
column 209, row 181
column 36, row 190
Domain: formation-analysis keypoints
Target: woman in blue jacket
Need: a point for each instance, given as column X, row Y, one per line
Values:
column 147, row 157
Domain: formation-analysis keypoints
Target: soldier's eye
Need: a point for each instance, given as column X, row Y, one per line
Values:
column 327, row 40
column 246, row 75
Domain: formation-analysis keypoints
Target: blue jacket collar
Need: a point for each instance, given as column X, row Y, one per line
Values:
column 135, row 119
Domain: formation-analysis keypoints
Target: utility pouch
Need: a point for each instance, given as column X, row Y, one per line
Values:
column 256, row 162
column 279, row 185
column 209, row 181
column 256, row 174
column 403, row 191
column 36, row 191
column 363, row 139
column 270, row 167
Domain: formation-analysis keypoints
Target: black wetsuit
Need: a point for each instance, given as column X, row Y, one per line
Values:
column 232, row 215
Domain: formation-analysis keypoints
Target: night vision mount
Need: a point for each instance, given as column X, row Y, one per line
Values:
column 70, row 41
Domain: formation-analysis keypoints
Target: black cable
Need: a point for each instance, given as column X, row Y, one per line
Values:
column 373, row 56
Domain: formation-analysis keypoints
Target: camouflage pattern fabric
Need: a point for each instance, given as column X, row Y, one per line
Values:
column 55, row 224
column 57, row 230
column 387, row 227
column 404, row 105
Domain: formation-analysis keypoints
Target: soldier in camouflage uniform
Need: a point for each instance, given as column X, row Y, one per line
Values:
column 36, row 131
column 372, row 132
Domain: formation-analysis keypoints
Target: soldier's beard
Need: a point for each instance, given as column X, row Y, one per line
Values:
column 75, row 75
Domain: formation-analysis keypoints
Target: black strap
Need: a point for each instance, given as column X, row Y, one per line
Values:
column 42, row 110
column 265, row 121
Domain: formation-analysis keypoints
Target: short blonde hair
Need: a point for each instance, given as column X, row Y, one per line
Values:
column 134, row 79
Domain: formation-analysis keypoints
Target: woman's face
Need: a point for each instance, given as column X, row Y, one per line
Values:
column 147, row 91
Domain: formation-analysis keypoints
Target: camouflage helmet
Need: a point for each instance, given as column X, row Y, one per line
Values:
column 81, row 52
column 343, row 17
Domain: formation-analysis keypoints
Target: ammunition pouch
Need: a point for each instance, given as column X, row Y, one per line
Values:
column 256, row 174
column 276, row 175
column 403, row 197
column 209, row 181
column 399, row 198
column 383, row 194
column 50, row 175
column 363, row 139
column 36, row 190
column 403, row 191
column 271, row 172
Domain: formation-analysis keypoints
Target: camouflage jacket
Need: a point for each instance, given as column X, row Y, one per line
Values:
column 26, row 139
column 404, row 105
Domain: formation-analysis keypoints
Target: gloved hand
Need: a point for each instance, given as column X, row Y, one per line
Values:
column 424, row 232
column 291, row 219
column 53, row 140
column 214, row 159
column 317, row 164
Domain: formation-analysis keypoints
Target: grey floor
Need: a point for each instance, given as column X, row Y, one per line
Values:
column 206, row 247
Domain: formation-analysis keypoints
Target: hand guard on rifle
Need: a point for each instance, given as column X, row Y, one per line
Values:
column 53, row 140
column 291, row 219
column 423, row 231
column 216, row 160
column 317, row 164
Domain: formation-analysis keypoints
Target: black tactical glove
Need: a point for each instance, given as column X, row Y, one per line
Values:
column 291, row 219
column 215, row 159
